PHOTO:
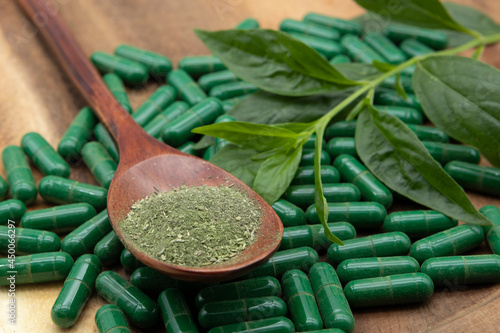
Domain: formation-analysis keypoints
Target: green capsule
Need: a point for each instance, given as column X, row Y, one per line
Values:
column 209, row 153
column 313, row 235
column 106, row 140
column 305, row 175
column 155, row 63
column 12, row 209
column 44, row 157
column 453, row 241
column 4, row 189
column 256, row 287
column 76, row 290
column 27, row 241
column 274, row 325
column 369, row 186
column 220, row 143
column 77, row 134
column 179, row 130
column 325, row 47
column 308, row 157
column 210, row 80
column 159, row 100
column 385, row 47
column 406, row 83
column 116, row 87
column 232, row 89
column 129, row 262
column 344, row 26
column 429, row 133
column 157, row 124
column 340, row 146
column 109, row 249
column 492, row 232
column 229, row 104
column 340, row 59
column 64, row 191
column 188, row 148
column 188, row 89
column 389, row 290
column 110, row 319
column 289, row 214
column 131, row 72
column 299, row 258
column 362, row 215
column 447, row 152
column 360, row 51
column 379, row 245
column 311, row 142
column 418, row 223
column 143, row 311
column 249, row 23
column 315, row 30
column 391, row 97
column 414, row 48
column 303, row 195
column 21, row 181
column 474, row 177
column 175, row 311
column 333, row 305
column 35, row 268
column 300, row 301
column 430, row 37
column 364, row 268
column 341, row 129
column 405, row 114
column 200, row 65
column 328, row 330
column 99, row 162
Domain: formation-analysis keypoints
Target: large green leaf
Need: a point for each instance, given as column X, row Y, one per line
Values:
column 238, row 161
column 358, row 71
column 394, row 154
column 461, row 96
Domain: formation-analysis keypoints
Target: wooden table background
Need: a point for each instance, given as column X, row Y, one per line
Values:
column 36, row 96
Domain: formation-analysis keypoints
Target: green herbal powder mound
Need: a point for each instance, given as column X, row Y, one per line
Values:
column 193, row 226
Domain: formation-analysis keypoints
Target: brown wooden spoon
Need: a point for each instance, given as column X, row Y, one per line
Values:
column 147, row 165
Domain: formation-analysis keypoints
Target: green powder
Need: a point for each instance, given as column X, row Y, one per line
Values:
column 193, row 226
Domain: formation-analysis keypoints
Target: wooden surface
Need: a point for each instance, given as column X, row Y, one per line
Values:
column 36, row 96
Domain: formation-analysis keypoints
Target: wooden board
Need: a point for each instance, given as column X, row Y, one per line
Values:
column 36, row 96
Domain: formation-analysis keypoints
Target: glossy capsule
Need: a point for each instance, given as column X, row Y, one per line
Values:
column 188, row 148
column 340, row 146
column 405, row 114
column 4, row 189
column 12, row 209
column 305, row 175
column 492, row 232
column 299, row 258
column 200, row 65
column 232, row 89
column 362, row 215
column 313, row 235
column 175, row 312
column 311, row 142
column 418, row 223
column 453, row 241
column 414, row 48
column 110, row 319
column 129, row 262
column 340, row 59
column 300, row 301
column 157, row 124
column 65, row 191
column 143, row 311
column 391, row 97
column 21, row 182
column 116, row 87
column 210, row 80
column 27, row 241
column 379, row 245
column 131, row 72
column 99, row 162
column 371, row 188
column 159, row 100
column 77, row 134
column 102, row 135
column 289, row 214
column 332, row 304
column 474, row 177
column 35, row 268
column 360, row 51
column 430, row 37
column 249, row 23
column 274, row 325
column 188, row 89
column 76, row 290
column 109, row 249
column 406, row 83
column 315, row 30
column 341, row 129
column 58, row 219
column 303, row 195
column 43, row 156
column 344, row 26
column 447, row 152
column 256, row 287
column 156, row 64
column 308, row 157
column 385, row 47
column 323, row 46
column 179, row 130
column 364, row 268
column 389, row 290
column 229, row 104
column 429, row 133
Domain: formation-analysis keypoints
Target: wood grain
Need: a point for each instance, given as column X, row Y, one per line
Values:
column 35, row 95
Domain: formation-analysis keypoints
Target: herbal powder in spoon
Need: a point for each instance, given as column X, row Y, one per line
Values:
column 193, row 226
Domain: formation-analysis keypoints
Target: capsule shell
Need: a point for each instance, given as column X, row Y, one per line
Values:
column 313, row 235
column 249, row 23
column 155, row 63
column 344, row 26
column 308, row 157
column 275, row 325
column 474, row 177
column 311, row 142
column 303, row 195
column 77, row 134
column 315, row 30
column 429, row 133
column 188, row 148
column 360, row 51
column 289, row 214
column 102, row 135
column 232, row 89
column 362, row 215
column 391, row 97
column 389, row 290
column 116, row 87
column 157, row 124
column 175, row 311
column 406, row 83
column 340, row 59
column 385, row 47
column 230, row 104
column 418, row 223
column 405, row 114
column 341, row 129
column 27, row 241
column 323, row 46
column 18, row 172
column 209, row 152
column 134, row 303
column 12, row 209
column 413, row 48
column 99, row 162
column 379, row 245
column 447, row 152
column 131, row 72
column 64, row 191
column 45, row 158
column 492, row 232
column 35, row 268
column 305, row 175
column 159, row 100
column 210, row 80
column 200, row 65
column 110, row 319
column 129, row 262
column 430, row 37
column 109, row 249
column 339, row 146
column 76, row 290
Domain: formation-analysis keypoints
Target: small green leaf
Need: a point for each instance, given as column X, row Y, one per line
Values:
column 238, row 162
column 399, row 87
column 205, row 142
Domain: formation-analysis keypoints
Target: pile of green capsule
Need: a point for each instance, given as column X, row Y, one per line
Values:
column 400, row 260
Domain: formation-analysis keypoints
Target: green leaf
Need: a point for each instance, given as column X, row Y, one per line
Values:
column 238, row 162
column 382, row 66
column 358, row 71
column 276, row 173
column 205, row 142
column 472, row 19
column 460, row 96
column 399, row 87
column 274, row 61
column 394, row 154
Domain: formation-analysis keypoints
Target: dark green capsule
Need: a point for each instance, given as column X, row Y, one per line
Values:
column 131, row 72
column 414, row 48
column 333, row 305
column 391, row 97
column 362, row 215
column 341, row 129
column 249, row 23
column 406, row 83
column 474, row 177
column 219, row 142
column 200, row 65
column 300, row 301
column 188, row 89
column 143, row 311
column 299, row 258
column 256, row 287
column 274, row 325
column 328, row 330
column 315, row 30
column 209, row 153
column 129, row 262
column 27, row 241
column 188, row 148
column 385, row 47
column 35, row 268
column 340, row 59
column 155, row 63
column 344, row 26
column 116, row 87
column 21, row 182
column 447, row 152
column 99, row 162
column 369, row 186
column 308, row 157
column 64, row 191
column 77, row 134
column 429, row 133
column 12, row 209
column 379, row 245
column 305, row 175
column 405, row 114
column 159, row 100
column 109, row 249
column 43, row 156
column 311, row 142
column 325, row 47
column 106, row 140
column 360, row 51
column 157, row 124
column 76, row 290
column 492, row 232
column 339, row 146
column 175, row 312
column 289, row 214
column 210, row 80
column 179, row 130
column 430, row 37
column 389, row 290
column 110, row 319
column 4, row 189
column 313, row 235
column 418, row 223
column 232, row 89
column 303, row 195
column 229, row 104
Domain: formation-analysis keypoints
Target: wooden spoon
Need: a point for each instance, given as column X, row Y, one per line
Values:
column 147, row 165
